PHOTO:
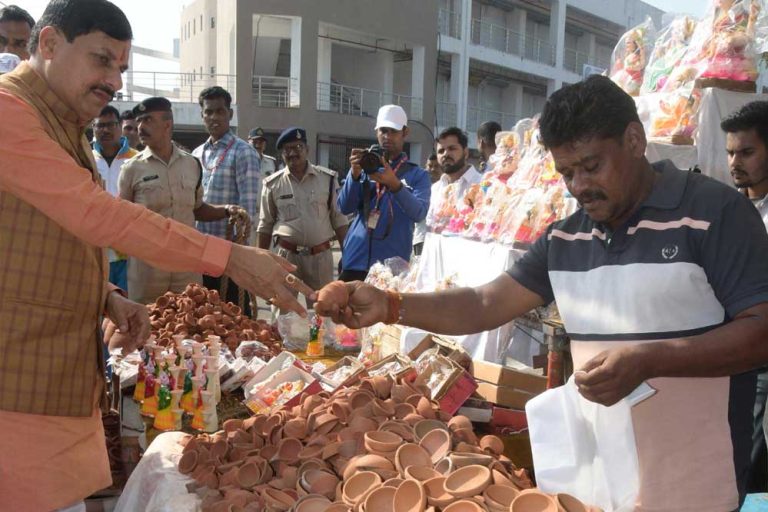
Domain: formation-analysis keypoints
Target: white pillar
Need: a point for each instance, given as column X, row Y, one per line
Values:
column 417, row 83
column 323, row 154
column 553, row 85
column 324, row 53
column 387, row 67
column 519, row 20
column 557, row 30
column 295, row 62
column 512, row 101
column 463, row 65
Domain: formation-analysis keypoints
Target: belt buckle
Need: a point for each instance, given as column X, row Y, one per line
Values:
column 303, row 251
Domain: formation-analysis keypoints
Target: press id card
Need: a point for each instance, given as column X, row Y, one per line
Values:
column 373, row 219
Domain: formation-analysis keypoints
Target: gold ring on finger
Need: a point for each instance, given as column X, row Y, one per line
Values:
column 290, row 279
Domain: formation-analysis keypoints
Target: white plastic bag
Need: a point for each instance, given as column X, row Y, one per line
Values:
column 585, row 449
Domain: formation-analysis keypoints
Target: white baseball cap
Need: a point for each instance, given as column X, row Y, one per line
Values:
column 391, row 116
column 8, row 61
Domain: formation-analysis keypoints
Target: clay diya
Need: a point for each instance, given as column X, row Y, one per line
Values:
column 533, row 500
column 468, row 481
column 357, row 487
column 381, row 441
column 569, row 503
column 498, row 498
column 381, row 499
column 437, row 443
column 409, row 497
column 411, row 454
column 464, row 506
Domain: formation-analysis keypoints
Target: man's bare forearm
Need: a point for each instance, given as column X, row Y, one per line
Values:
column 469, row 310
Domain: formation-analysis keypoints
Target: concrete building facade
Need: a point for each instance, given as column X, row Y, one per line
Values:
column 327, row 65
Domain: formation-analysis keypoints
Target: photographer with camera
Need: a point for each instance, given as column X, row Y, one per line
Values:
column 388, row 194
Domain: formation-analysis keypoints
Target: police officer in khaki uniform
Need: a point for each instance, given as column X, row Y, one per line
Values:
column 268, row 164
column 167, row 181
column 298, row 209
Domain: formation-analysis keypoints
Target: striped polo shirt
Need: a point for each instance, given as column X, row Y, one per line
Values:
column 691, row 258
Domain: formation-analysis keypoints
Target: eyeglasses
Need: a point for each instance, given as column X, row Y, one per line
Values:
column 103, row 126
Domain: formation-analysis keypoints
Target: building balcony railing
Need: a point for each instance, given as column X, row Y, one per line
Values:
column 447, row 114
column 275, row 91
column 177, row 87
column 357, row 101
column 574, row 61
column 449, row 23
column 497, row 37
column 478, row 116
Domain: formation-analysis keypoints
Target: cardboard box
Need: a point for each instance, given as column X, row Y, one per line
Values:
column 275, row 365
column 455, row 389
column 389, row 341
column 445, row 346
column 256, row 401
column 405, row 367
column 503, row 395
column 524, row 380
column 509, row 420
column 242, row 372
column 358, row 371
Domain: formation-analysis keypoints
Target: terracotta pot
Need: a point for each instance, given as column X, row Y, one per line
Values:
column 461, row 460
column 437, row 442
column 380, row 500
column 499, row 497
column 533, row 500
column 188, row 462
column 458, row 422
column 444, row 466
column 410, row 497
column 424, row 427
column 437, row 496
column 420, row 473
column 297, row 427
column 393, row 482
column 312, row 503
column 382, row 441
column 322, row 482
column 468, row 481
column 276, row 499
column 465, row 434
column 568, row 503
column 410, row 454
column 369, row 462
column 338, row 507
column 358, row 486
column 464, row 506
column 403, row 410
column 248, row 475
column 424, row 407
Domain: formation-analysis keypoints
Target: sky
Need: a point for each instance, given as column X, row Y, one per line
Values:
column 156, row 22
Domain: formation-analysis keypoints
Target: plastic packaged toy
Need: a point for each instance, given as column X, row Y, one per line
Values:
column 631, row 56
column 668, row 53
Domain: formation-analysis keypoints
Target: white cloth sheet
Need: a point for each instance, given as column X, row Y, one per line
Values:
column 471, row 263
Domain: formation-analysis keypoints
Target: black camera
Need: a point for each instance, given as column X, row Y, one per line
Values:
column 370, row 159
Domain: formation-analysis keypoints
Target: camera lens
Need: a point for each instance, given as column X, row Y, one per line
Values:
column 370, row 162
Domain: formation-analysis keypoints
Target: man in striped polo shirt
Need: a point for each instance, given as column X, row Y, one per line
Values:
column 661, row 276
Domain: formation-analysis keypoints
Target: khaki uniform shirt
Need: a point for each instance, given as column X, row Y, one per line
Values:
column 268, row 165
column 298, row 211
column 172, row 190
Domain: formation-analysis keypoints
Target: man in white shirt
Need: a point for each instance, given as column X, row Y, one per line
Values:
column 111, row 151
column 458, row 175
column 746, row 142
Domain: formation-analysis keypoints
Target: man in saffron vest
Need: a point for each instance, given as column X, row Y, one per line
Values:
column 55, row 220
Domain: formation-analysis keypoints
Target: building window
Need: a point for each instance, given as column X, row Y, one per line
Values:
column 213, row 22
column 213, row 70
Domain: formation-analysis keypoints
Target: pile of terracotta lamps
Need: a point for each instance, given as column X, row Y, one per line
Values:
column 380, row 446
column 198, row 312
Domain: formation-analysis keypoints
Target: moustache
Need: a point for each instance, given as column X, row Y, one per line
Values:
column 143, row 133
column 591, row 195
column 105, row 89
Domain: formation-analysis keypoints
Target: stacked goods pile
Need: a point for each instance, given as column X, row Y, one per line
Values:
column 197, row 313
column 381, row 445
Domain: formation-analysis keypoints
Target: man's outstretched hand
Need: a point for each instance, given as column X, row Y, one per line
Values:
column 366, row 305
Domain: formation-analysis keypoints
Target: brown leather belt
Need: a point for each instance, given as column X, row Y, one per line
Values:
column 300, row 249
